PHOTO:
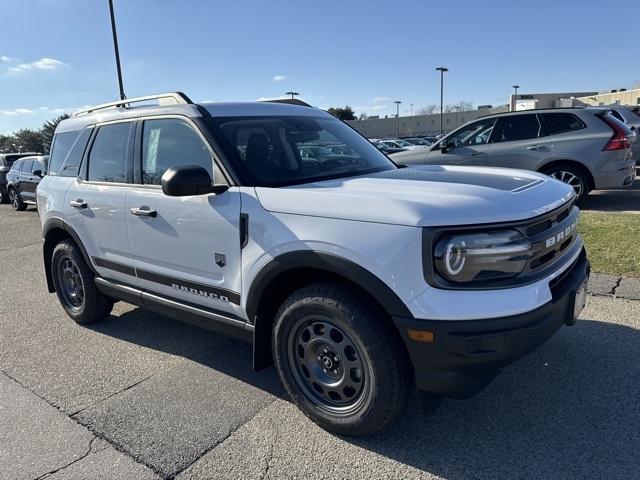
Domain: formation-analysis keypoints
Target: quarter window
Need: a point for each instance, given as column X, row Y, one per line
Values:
column 562, row 122
column 171, row 142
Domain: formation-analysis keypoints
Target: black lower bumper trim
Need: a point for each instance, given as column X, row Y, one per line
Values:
column 465, row 356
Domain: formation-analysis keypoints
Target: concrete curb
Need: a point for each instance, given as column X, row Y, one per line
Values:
column 612, row 286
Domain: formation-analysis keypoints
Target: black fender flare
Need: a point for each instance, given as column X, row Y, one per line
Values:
column 321, row 261
column 339, row 266
column 50, row 225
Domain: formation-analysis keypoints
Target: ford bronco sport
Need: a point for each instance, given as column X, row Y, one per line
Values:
column 359, row 279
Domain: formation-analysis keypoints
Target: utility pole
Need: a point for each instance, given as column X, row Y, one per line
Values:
column 115, row 46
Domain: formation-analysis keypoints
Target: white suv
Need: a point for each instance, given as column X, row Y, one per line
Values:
column 359, row 279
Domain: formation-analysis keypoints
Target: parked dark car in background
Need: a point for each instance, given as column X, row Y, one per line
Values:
column 23, row 179
column 6, row 161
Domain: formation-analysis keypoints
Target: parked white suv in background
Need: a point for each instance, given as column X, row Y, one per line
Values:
column 359, row 279
column 587, row 148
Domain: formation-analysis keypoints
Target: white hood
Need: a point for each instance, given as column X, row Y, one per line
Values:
column 423, row 196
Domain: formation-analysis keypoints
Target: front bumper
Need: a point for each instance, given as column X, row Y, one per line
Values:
column 465, row 356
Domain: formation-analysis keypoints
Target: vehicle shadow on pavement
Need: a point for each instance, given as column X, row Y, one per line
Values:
column 569, row 410
column 210, row 349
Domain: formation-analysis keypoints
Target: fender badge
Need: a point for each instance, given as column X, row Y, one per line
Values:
column 221, row 260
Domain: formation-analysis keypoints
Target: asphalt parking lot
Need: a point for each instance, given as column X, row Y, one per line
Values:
column 141, row 396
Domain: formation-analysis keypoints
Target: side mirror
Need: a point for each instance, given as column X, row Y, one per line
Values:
column 38, row 173
column 189, row 180
column 445, row 147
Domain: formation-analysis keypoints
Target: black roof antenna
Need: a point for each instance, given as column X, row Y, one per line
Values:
column 115, row 46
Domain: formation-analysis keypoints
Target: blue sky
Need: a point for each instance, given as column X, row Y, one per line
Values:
column 57, row 55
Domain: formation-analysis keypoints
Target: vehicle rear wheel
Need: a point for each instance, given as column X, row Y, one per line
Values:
column 15, row 200
column 75, row 287
column 4, row 198
column 573, row 176
column 340, row 363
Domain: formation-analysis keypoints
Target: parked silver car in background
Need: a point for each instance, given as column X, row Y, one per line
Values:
column 587, row 148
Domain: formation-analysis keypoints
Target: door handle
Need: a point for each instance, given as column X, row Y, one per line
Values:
column 535, row 147
column 144, row 212
column 78, row 203
column 474, row 154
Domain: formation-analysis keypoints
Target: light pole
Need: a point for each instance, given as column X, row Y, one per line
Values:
column 292, row 94
column 397, row 102
column 515, row 94
column 441, row 70
column 457, row 112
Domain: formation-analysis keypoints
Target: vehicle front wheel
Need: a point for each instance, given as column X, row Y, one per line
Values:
column 573, row 176
column 338, row 360
column 75, row 287
column 15, row 200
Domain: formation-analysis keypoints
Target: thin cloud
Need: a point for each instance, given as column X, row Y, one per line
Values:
column 380, row 99
column 17, row 111
column 4, row 58
column 279, row 78
column 42, row 64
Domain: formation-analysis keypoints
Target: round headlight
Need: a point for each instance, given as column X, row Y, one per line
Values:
column 477, row 257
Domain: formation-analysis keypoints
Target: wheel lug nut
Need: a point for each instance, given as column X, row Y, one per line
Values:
column 336, row 358
column 336, row 371
column 325, row 370
column 319, row 357
column 326, row 350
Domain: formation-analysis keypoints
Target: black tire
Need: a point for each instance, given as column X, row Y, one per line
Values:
column 4, row 198
column 75, row 286
column 15, row 200
column 573, row 176
column 338, row 361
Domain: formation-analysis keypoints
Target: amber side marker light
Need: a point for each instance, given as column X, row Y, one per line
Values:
column 421, row 336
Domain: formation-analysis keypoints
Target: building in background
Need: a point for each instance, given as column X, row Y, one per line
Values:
column 427, row 125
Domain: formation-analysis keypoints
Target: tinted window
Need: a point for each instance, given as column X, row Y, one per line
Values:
column 108, row 156
column 270, row 149
column 562, row 122
column 169, row 143
column 519, row 127
column 62, row 143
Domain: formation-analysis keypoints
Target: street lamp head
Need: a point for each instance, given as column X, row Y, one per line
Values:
column 516, row 86
column 292, row 94
column 442, row 69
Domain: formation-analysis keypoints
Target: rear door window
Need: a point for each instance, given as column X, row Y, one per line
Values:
column 108, row 155
column 519, row 127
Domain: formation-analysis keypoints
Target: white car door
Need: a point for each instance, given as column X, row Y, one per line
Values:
column 94, row 203
column 185, row 248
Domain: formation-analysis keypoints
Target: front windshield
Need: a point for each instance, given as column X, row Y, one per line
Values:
column 287, row 150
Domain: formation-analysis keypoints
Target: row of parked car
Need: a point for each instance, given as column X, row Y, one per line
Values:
column 20, row 174
column 588, row 148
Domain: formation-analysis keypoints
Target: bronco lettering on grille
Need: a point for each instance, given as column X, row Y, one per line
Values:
column 558, row 237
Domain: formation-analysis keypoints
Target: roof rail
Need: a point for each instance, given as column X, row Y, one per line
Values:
column 172, row 98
